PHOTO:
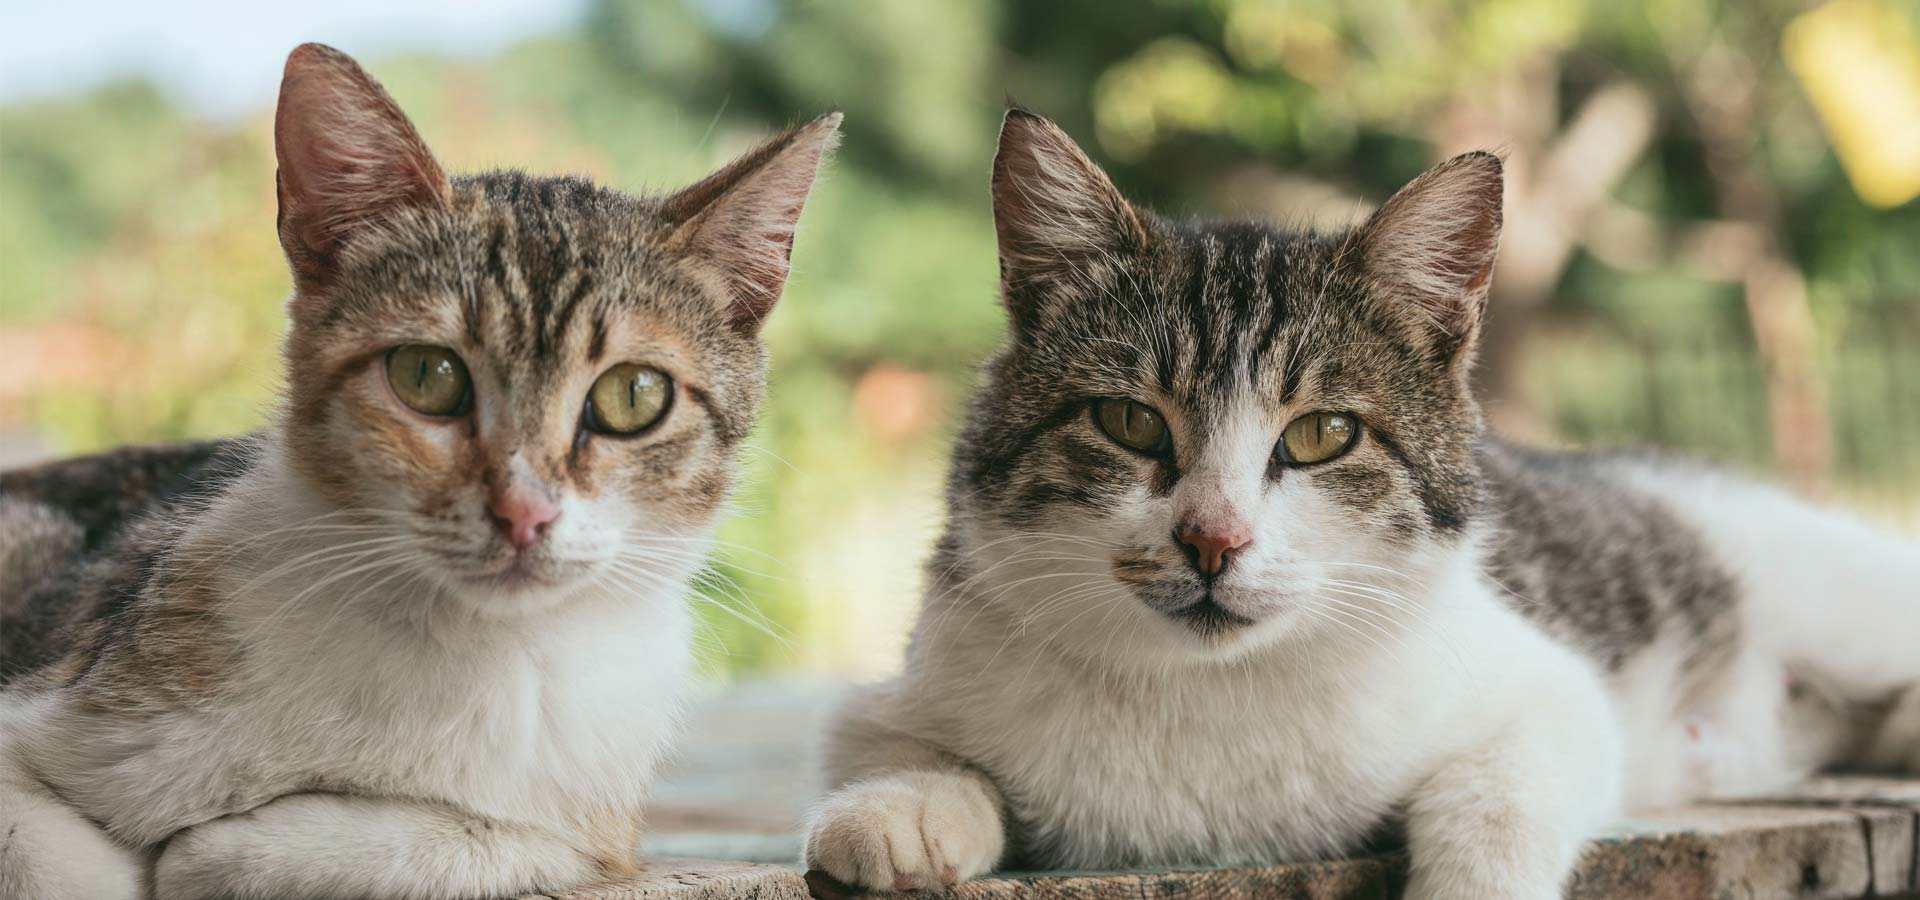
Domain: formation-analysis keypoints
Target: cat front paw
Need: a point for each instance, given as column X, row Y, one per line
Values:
column 49, row 851
column 198, row 864
column 906, row 831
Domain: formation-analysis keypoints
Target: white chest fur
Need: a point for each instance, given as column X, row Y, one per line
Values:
column 1236, row 762
column 546, row 721
column 1293, row 751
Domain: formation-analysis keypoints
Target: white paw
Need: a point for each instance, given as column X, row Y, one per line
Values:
column 48, row 851
column 194, row 865
column 906, row 831
column 31, row 869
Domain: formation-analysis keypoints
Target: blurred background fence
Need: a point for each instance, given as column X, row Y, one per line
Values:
column 1712, row 244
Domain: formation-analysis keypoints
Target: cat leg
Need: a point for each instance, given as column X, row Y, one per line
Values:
column 1857, row 627
column 1831, row 596
column 1507, row 818
column 1763, row 730
column 1844, row 617
column 903, row 814
column 49, row 851
column 327, row 846
column 1894, row 742
column 906, row 830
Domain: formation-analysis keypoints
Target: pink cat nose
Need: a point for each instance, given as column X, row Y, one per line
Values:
column 1211, row 545
column 522, row 516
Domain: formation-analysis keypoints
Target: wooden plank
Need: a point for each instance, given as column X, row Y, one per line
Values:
column 747, row 772
column 695, row 879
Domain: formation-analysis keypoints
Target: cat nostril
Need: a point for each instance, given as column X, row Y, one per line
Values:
column 1210, row 549
column 522, row 532
column 522, row 519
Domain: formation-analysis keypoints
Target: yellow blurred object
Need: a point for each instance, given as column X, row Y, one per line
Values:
column 1859, row 61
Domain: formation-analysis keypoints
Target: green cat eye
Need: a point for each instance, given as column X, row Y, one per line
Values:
column 430, row 380
column 627, row 398
column 1317, row 437
column 1132, row 424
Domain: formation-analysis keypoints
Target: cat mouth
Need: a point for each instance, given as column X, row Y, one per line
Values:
column 522, row 572
column 520, row 575
column 1208, row 618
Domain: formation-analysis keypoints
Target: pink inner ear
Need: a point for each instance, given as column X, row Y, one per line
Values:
column 1433, row 244
column 1463, row 256
column 1480, row 279
column 743, row 216
column 347, row 154
column 1051, row 204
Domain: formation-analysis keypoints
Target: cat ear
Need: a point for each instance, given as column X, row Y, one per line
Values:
column 348, row 157
column 744, row 215
column 1429, row 250
column 1055, row 212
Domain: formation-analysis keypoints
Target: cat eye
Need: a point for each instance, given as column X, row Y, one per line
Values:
column 627, row 398
column 1317, row 437
column 1132, row 424
column 429, row 380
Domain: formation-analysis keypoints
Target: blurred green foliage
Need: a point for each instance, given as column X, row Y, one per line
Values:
column 141, row 280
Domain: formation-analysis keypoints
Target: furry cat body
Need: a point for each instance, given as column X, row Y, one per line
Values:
column 298, row 730
column 1499, row 648
column 388, row 650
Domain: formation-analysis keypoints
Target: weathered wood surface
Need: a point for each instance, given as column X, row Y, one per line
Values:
column 726, row 816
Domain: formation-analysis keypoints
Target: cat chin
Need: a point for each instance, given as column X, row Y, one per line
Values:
column 1209, row 618
column 495, row 602
column 1230, row 644
column 520, row 591
column 1155, row 638
column 1222, row 610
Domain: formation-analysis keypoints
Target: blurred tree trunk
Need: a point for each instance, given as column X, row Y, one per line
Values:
column 1721, row 91
column 1557, row 180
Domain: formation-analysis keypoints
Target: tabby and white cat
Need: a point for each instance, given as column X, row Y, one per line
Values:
column 422, row 638
column 1233, row 576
